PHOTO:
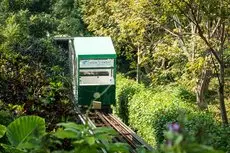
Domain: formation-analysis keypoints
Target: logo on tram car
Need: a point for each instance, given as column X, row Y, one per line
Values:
column 96, row 63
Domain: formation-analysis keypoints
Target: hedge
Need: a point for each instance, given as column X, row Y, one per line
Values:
column 150, row 110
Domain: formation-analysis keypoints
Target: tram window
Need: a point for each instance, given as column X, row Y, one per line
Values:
column 96, row 77
column 94, row 73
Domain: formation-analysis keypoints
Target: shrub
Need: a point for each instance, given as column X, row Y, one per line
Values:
column 5, row 117
column 220, row 137
column 149, row 111
column 153, row 110
column 183, row 94
column 124, row 91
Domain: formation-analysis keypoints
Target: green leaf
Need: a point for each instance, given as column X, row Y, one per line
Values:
column 72, row 125
column 118, row 147
column 103, row 137
column 10, row 149
column 101, row 130
column 197, row 148
column 24, row 129
column 62, row 134
column 90, row 140
column 2, row 130
column 61, row 151
column 142, row 149
column 178, row 140
column 78, row 142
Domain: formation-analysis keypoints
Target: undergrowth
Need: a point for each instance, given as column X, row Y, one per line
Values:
column 150, row 110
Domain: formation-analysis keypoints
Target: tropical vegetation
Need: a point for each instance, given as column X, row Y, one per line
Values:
column 173, row 60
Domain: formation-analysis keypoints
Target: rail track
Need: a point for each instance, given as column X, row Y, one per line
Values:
column 126, row 135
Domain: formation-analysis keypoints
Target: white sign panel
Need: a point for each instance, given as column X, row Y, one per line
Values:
column 96, row 63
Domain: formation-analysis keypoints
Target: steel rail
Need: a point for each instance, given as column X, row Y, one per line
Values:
column 126, row 134
column 135, row 137
column 85, row 120
column 108, row 124
column 122, row 131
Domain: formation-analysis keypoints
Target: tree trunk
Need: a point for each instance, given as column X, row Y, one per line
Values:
column 138, row 65
column 221, row 77
column 202, row 88
column 138, row 73
column 221, row 95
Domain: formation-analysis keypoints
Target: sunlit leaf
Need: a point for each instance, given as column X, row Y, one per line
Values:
column 2, row 130
column 72, row 125
column 90, row 140
column 62, row 134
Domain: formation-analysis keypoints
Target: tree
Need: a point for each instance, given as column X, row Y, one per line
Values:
column 32, row 74
column 69, row 18
column 123, row 20
column 174, row 40
column 211, row 20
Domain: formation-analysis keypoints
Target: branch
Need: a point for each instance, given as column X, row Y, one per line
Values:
column 190, row 19
column 169, row 31
column 166, row 29
column 222, row 39
column 215, row 68
column 200, row 30
column 177, row 21
column 205, row 39
column 183, row 12
column 214, row 30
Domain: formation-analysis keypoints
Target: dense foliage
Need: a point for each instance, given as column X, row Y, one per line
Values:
column 178, row 49
column 33, row 71
column 149, row 111
column 28, row 134
column 169, row 41
column 80, row 138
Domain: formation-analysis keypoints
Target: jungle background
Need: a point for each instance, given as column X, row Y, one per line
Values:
column 173, row 60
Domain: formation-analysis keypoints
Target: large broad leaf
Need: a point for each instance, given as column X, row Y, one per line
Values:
column 2, row 130
column 25, row 130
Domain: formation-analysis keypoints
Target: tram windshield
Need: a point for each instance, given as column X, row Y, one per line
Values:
column 96, row 77
column 94, row 73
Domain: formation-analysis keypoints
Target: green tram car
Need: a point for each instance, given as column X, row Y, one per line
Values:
column 93, row 67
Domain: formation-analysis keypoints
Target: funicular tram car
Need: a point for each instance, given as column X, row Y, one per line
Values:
column 93, row 67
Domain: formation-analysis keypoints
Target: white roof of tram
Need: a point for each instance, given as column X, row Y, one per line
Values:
column 93, row 46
